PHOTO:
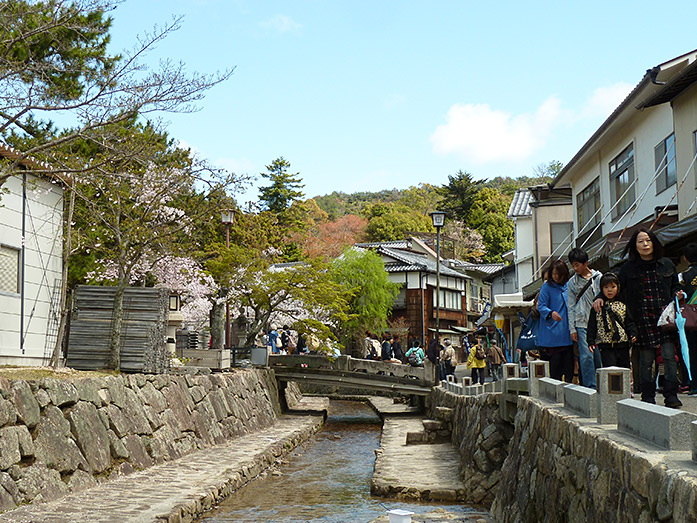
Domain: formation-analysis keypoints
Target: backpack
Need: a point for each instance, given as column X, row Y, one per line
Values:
column 414, row 359
column 479, row 353
column 291, row 342
column 284, row 339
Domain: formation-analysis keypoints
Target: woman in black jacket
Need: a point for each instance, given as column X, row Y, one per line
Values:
column 649, row 282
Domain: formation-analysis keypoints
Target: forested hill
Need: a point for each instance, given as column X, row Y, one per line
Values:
column 477, row 224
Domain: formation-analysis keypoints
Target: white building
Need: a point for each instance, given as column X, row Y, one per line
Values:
column 625, row 176
column 31, row 206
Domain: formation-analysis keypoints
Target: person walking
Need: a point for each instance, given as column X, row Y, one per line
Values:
column 477, row 362
column 582, row 289
column 447, row 358
column 496, row 359
column 648, row 283
column 612, row 330
column 553, row 335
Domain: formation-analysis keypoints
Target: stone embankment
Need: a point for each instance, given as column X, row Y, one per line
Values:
column 481, row 439
column 564, row 467
column 61, row 436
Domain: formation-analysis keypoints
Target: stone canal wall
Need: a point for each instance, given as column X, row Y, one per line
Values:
column 562, row 469
column 58, row 436
column 481, row 438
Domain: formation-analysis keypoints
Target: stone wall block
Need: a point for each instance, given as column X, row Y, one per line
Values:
column 88, row 390
column 26, row 443
column 159, row 381
column 53, row 444
column 117, row 421
column 154, row 419
column 201, row 428
column 39, row 483
column 220, row 406
column 91, row 435
column 8, row 413
column 62, row 393
column 116, row 446
column 81, row 480
column 9, row 493
column 117, row 390
column 42, row 398
column 104, row 395
column 28, row 411
column 177, row 404
column 9, row 448
column 161, row 446
column 197, row 393
column 153, row 397
column 205, row 383
column 5, row 387
column 205, row 409
column 139, row 457
column 135, row 415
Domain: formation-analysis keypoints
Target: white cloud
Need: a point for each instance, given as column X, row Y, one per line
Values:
column 604, row 100
column 280, row 23
column 485, row 135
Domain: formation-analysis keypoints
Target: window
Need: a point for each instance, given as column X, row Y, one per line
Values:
column 588, row 204
column 664, row 154
column 561, row 238
column 448, row 300
column 622, row 181
column 9, row 269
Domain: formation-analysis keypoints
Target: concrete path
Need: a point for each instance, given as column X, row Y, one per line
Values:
column 385, row 406
column 425, row 471
column 177, row 490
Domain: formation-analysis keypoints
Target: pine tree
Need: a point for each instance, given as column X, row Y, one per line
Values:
column 284, row 189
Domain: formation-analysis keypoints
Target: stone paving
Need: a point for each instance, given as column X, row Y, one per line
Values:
column 424, row 471
column 177, row 490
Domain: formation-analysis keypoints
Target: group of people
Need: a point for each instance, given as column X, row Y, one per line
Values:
column 390, row 350
column 613, row 318
column 285, row 341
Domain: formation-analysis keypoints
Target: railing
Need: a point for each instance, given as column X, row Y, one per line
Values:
column 347, row 371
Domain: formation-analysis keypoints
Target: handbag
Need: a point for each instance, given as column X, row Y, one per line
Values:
column 689, row 312
column 528, row 334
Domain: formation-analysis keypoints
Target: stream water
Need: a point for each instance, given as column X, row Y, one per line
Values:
column 327, row 479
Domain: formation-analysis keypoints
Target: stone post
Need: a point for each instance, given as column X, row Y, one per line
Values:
column 613, row 386
column 536, row 369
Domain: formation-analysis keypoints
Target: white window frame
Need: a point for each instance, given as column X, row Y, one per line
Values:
column 449, row 300
column 567, row 239
column 620, row 165
column 8, row 251
column 664, row 160
column 589, row 195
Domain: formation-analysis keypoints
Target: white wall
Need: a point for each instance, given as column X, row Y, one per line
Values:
column 685, row 114
column 645, row 129
column 524, row 244
column 43, row 266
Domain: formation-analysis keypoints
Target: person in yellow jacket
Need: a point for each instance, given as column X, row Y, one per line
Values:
column 477, row 362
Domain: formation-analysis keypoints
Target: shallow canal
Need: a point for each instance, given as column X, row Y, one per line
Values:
column 327, row 479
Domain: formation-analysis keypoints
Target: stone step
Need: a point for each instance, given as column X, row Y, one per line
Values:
column 432, row 425
column 444, row 414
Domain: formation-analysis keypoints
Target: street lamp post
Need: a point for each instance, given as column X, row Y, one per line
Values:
column 438, row 218
column 227, row 217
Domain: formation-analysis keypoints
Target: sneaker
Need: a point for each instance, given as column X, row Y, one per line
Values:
column 693, row 392
column 673, row 402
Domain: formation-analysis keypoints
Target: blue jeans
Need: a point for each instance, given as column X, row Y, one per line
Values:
column 588, row 361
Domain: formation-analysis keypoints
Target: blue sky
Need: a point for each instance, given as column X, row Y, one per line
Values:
column 370, row 95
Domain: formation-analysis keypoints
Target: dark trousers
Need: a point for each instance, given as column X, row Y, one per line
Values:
column 561, row 362
column 647, row 358
column 478, row 375
column 615, row 355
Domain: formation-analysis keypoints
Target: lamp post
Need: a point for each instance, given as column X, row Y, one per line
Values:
column 227, row 217
column 438, row 218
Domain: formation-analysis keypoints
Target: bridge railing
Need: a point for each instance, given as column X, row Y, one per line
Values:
column 425, row 375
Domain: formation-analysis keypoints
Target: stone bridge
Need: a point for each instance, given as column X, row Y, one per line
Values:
column 351, row 372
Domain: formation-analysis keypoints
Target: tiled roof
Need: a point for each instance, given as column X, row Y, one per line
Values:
column 395, row 244
column 417, row 262
column 520, row 206
column 486, row 268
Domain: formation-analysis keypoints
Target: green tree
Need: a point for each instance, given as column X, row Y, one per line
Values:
column 458, row 196
column 363, row 275
column 54, row 61
column 393, row 221
column 284, row 189
column 488, row 216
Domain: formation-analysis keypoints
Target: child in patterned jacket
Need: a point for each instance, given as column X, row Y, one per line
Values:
column 612, row 330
